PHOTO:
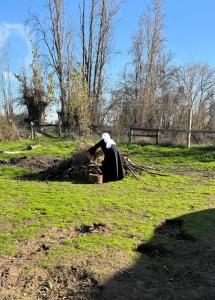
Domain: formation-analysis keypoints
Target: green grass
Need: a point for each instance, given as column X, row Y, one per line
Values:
column 52, row 147
column 196, row 158
column 135, row 207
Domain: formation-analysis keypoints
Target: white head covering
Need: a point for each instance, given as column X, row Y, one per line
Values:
column 109, row 142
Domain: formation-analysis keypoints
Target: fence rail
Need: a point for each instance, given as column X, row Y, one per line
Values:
column 34, row 127
column 156, row 132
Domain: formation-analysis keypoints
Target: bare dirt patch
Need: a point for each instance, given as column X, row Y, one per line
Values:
column 177, row 269
column 78, row 278
column 95, row 228
column 60, row 282
column 185, row 272
column 21, row 277
column 32, row 162
column 182, row 171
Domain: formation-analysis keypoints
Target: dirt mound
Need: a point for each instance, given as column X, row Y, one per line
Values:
column 75, row 168
column 33, row 162
column 21, row 276
column 81, row 164
column 95, row 228
column 60, row 282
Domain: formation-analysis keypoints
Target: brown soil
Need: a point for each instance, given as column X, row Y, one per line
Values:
column 95, row 228
column 174, row 270
column 184, row 272
column 60, row 282
column 21, row 276
column 192, row 173
column 34, row 162
column 75, row 168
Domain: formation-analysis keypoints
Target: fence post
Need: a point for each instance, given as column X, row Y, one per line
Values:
column 158, row 136
column 189, row 127
column 130, row 135
column 60, row 128
column 32, row 131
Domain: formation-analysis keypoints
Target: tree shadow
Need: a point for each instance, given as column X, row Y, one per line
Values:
column 177, row 263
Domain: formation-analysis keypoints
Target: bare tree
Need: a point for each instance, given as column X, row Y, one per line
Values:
column 6, row 76
column 147, row 78
column 33, row 93
column 53, row 33
column 198, row 83
column 148, row 48
column 96, row 49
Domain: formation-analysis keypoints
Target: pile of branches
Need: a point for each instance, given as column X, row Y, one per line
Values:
column 74, row 168
column 132, row 168
column 78, row 167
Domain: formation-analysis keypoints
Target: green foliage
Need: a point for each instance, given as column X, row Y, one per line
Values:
column 8, row 131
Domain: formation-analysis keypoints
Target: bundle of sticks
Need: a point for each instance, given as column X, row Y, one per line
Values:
column 132, row 168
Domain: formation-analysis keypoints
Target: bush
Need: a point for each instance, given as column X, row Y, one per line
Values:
column 8, row 130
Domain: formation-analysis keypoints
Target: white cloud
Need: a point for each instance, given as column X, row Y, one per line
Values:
column 4, row 35
column 7, row 29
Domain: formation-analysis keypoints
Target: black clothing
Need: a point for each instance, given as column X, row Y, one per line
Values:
column 112, row 166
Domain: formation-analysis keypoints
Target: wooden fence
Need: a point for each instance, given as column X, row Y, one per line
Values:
column 34, row 127
column 157, row 132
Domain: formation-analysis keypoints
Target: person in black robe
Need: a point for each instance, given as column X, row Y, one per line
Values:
column 112, row 166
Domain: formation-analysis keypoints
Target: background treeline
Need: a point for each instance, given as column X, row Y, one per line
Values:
column 70, row 74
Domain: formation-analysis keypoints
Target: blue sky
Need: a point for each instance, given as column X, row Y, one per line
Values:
column 189, row 29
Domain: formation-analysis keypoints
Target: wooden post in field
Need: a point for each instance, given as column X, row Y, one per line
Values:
column 189, row 127
column 158, row 136
column 32, row 131
column 60, row 128
column 130, row 134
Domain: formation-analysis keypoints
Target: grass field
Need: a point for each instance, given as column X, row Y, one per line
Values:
column 39, row 222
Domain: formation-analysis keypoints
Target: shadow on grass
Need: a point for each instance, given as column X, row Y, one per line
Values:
column 177, row 263
column 41, row 176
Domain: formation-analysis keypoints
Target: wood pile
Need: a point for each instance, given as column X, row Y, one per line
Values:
column 74, row 168
column 78, row 167
column 132, row 168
